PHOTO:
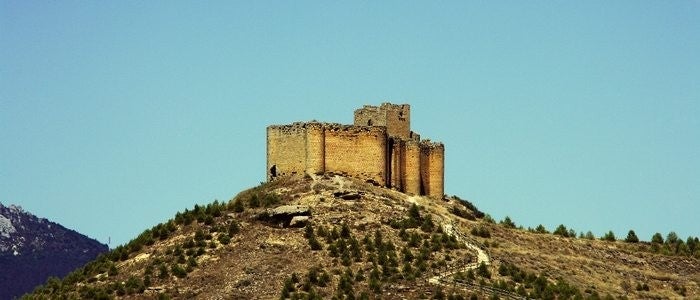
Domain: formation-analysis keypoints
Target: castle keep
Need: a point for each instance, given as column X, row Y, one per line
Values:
column 379, row 148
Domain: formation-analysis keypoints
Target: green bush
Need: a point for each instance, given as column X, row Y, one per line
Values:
column 481, row 232
column 483, row 270
column 540, row 229
column 224, row 239
column 508, row 223
column 561, row 230
column 671, row 238
column 631, row 237
column 178, row 271
column 610, row 237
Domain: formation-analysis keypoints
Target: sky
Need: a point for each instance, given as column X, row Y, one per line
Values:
column 115, row 115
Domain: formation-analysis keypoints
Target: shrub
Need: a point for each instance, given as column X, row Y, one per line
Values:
column 163, row 272
column 254, row 201
column 457, row 211
column 233, row 228
column 657, row 238
column 671, row 238
column 224, row 239
column 540, row 229
column 178, row 271
column 237, row 206
column 508, row 223
column 631, row 237
column 112, row 270
column 271, row 199
column 483, row 270
column 481, row 231
column 427, row 225
column 470, row 206
column 561, row 230
column 610, row 237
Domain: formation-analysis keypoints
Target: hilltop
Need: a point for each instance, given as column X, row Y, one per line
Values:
column 330, row 236
column 32, row 249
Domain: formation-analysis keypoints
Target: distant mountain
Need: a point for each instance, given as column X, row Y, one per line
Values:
column 32, row 249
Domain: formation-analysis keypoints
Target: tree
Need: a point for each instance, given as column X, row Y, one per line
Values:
column 238, row 206
column 414, row 213
column 657, row 238
column 254, row 201
column 632, row 237
column 589, row 235
column 692, row 245
column 610, row 236
column 561, row 230
column 508, row 223
column 540, row 229
column 671, row 238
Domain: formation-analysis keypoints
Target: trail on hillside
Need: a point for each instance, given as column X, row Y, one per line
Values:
column 481, row 255
column 446, row 278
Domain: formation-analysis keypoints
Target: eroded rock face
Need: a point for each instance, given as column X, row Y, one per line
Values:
column 295, row 210
column 284, row 216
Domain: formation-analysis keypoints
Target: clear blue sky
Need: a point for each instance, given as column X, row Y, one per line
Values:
column 115, row 115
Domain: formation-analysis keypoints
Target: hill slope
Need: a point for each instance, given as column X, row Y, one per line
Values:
column 335, row 237
column 33, row 249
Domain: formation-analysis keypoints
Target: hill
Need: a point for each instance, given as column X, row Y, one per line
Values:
column 336, row 237
column 33, row 249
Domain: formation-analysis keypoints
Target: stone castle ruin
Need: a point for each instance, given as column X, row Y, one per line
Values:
column 379, row 148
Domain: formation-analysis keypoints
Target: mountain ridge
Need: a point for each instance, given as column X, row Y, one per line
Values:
column 33, row 249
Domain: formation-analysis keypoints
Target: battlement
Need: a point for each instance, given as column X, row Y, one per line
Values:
column 379, row 148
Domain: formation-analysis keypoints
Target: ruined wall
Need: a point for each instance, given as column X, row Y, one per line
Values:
column 357, row 151
column 286, row 149
column 411, row 173
column 396, row 118
column 432, row 162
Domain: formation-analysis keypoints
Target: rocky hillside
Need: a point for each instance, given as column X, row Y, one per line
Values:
column 333, row 237
column 33, row 249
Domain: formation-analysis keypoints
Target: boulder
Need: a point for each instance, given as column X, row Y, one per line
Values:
column 299, row 221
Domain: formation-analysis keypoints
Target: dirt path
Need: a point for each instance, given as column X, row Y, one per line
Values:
column 481, row 255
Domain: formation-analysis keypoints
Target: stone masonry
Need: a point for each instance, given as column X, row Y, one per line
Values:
column 379, row 148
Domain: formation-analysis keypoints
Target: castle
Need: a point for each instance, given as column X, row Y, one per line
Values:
column 379, row 148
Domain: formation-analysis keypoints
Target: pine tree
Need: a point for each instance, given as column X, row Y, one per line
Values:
column 632, row 237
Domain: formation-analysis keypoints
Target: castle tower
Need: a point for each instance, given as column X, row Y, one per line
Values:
column 432, row 169
column 395, row 117
column 411, row 172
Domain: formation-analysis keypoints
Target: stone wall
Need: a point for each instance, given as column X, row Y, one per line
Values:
column 315, row 148
column 357, row 151
column 286, row 150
